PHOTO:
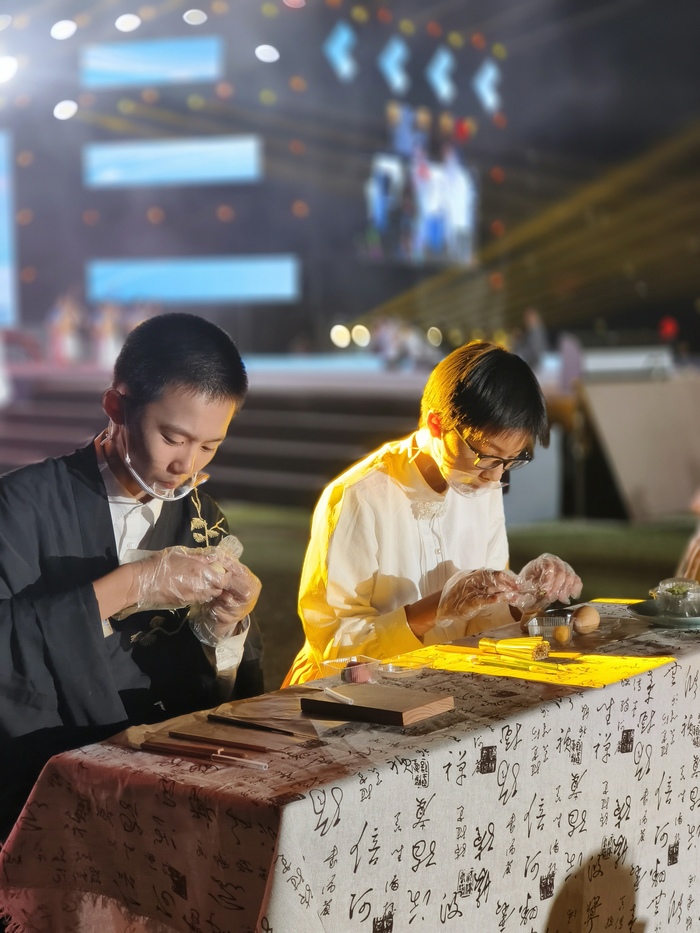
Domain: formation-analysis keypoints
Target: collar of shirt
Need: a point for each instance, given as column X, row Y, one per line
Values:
column 133, row 521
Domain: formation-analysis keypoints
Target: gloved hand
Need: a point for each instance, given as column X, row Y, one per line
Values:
column 468, row 591
column 545, row 580
column 219, row 617
column 176, row 577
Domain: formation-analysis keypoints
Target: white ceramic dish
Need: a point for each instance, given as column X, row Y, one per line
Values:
column 651, row 611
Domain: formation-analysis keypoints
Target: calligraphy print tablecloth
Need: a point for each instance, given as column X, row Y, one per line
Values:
column 529, row 808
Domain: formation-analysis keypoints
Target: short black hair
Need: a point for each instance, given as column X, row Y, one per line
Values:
column 181, row 350
column 488, row 390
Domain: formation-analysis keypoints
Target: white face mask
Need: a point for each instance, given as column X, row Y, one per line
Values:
column 463, row 483
column 164, row 493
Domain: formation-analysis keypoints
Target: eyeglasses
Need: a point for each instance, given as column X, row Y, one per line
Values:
column 487, row 462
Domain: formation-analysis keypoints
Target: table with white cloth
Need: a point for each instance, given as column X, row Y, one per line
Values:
column 530, row 807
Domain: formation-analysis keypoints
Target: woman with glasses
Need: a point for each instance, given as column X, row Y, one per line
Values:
column 389, row 533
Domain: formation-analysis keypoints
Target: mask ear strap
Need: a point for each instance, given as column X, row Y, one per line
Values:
column 420, row 444
column 108, row 433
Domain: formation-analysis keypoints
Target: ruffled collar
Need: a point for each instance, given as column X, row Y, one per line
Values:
column 425, row 501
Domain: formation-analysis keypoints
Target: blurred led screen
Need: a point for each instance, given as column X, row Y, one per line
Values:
column 159, row 61
column 8, row 295
column 234, row 159
column 185, row 281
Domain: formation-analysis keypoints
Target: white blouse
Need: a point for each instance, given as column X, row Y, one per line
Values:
column 382, row 538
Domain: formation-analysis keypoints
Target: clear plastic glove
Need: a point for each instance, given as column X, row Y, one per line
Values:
column 468, row 591
column 219, row 617
column 175, row 577
column 545, row 580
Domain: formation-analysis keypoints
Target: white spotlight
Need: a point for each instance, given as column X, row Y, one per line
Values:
column 63, row 29
column 361, row 335
column 434, row 336
column 340, row 336
column 8, row 68
column 195, row 17
column 128, row 22
column 65, row 109
column 267, row 53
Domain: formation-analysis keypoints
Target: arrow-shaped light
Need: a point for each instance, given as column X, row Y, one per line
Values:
column 439, row 75
column 391, row 61
column 338, row 48
column 485, row 83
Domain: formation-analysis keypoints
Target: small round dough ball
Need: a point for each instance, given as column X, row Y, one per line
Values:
column 585, row 619
column 562, row 634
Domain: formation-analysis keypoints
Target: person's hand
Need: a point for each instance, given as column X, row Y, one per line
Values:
column 547, row 579
column 240, row 596
column 220, row 617
column 690, row 562
column 466, row 592
column 242, row 587
column 176, row 577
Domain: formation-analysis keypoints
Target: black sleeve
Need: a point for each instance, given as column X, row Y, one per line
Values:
column 53, row 668
column 56, row 687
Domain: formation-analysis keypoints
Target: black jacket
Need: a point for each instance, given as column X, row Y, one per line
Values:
column 59, row 675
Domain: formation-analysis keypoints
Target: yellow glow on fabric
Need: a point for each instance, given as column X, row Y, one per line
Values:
column 580, row 670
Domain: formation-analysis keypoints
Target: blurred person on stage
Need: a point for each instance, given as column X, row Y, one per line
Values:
column 416, row 530
column 122, row 600
column 66, row 320
column 531, row 343
column 107, row 334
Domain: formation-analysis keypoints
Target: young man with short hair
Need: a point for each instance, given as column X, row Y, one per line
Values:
column 108, row 555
